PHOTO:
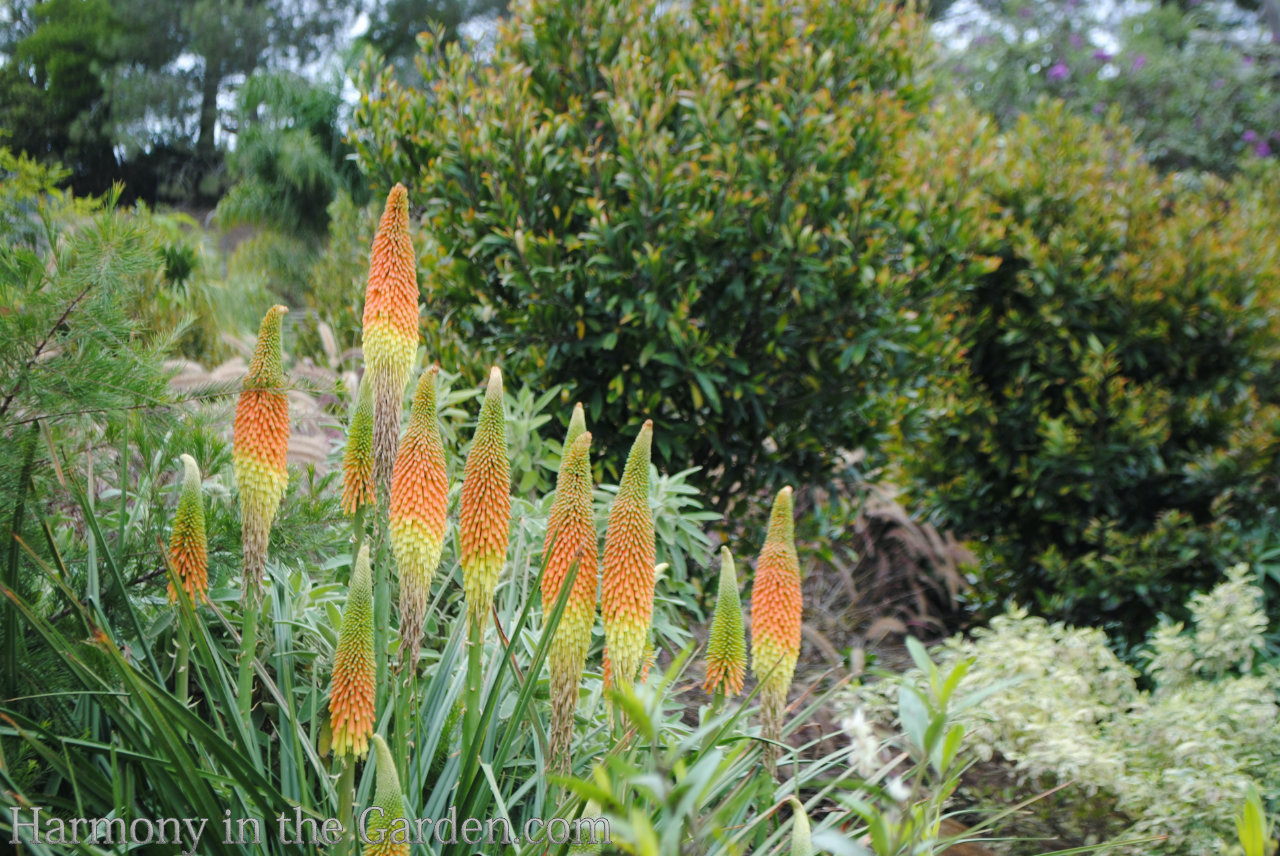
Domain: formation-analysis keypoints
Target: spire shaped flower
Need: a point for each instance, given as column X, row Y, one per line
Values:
column 357, row 458
column 188, row 549
column 628, row 577
column 571, row 537
column 776, row 608
column 390, row 327
column 352, row 692
column 261, row 446
column 387, row 831
column 419, row 503
column 727, row 647
column 486, row 505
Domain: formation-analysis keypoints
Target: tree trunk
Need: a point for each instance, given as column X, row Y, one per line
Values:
column 208, row 111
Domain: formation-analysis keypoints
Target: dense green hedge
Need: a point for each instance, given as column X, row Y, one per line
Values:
column 752, row 222
column 1109, row 424
column 708, row 215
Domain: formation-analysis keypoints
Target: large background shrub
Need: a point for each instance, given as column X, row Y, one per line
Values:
column 1111, row 413
column 707, row 215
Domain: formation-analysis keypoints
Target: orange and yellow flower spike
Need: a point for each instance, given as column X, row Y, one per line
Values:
column 357, row 459
column 727, row 647
column 390, row 327
column 388, row 831
column 776, row 607
column 352, row 692
column 188, row 549
column 486, row 505
column 626, row 599
column 260, row 446
column 419, row 503
column 571, row 537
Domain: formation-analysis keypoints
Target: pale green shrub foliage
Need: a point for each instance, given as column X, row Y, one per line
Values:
column 1176, row 760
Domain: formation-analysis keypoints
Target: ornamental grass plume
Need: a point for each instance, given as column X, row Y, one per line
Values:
column 571, row 537
column 486, row 505
column 385, row 836
column 352, row 691
column 260, row 447
column 419, row 503
column 390, row 327
column 626, row 599
column 357, row 458
column 727, row 647
column 775, row 617
column 188, row 549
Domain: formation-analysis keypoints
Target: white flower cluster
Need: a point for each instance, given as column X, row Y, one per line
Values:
column 1176, row 760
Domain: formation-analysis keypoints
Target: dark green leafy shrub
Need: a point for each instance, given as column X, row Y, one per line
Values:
column 1112, row 408
column 709, row 215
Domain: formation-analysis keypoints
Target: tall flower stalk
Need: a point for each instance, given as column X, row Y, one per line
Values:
column 261, row 446
column 259, row 455
column 383, row 833
column 571, row 538
column 189, row 558
column 419, row 504
column 486, row 505
column 727, row 647
column 776, row 607
column 188, row 548
column 357, row 458
column 352, row 691
column 390, row 328
column 483, row 531
column 626, row 597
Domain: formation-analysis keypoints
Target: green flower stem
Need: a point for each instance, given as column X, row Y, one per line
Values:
column 346, row 799
column 248, row 644
column 182, row 670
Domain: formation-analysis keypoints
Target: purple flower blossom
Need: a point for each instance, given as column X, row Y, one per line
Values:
column 1058, row 71
column 1099, row 108
column 1075, row 40
column 1248, row 60
column 1262, row 150
column 1101, row 56
column 1249, row 136
column 1138, row 62
column 1218, row 83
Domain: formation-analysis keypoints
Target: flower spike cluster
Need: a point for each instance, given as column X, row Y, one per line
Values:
column 260, row 447
column 352, row 692
column 486, row 505
column 727, row 647
column 390, row 327
column 387, row 832
column 626, row 600
column 419, row 503
column 188, row 549
column 571, row 537
column 776, row 614
column 357, row 459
